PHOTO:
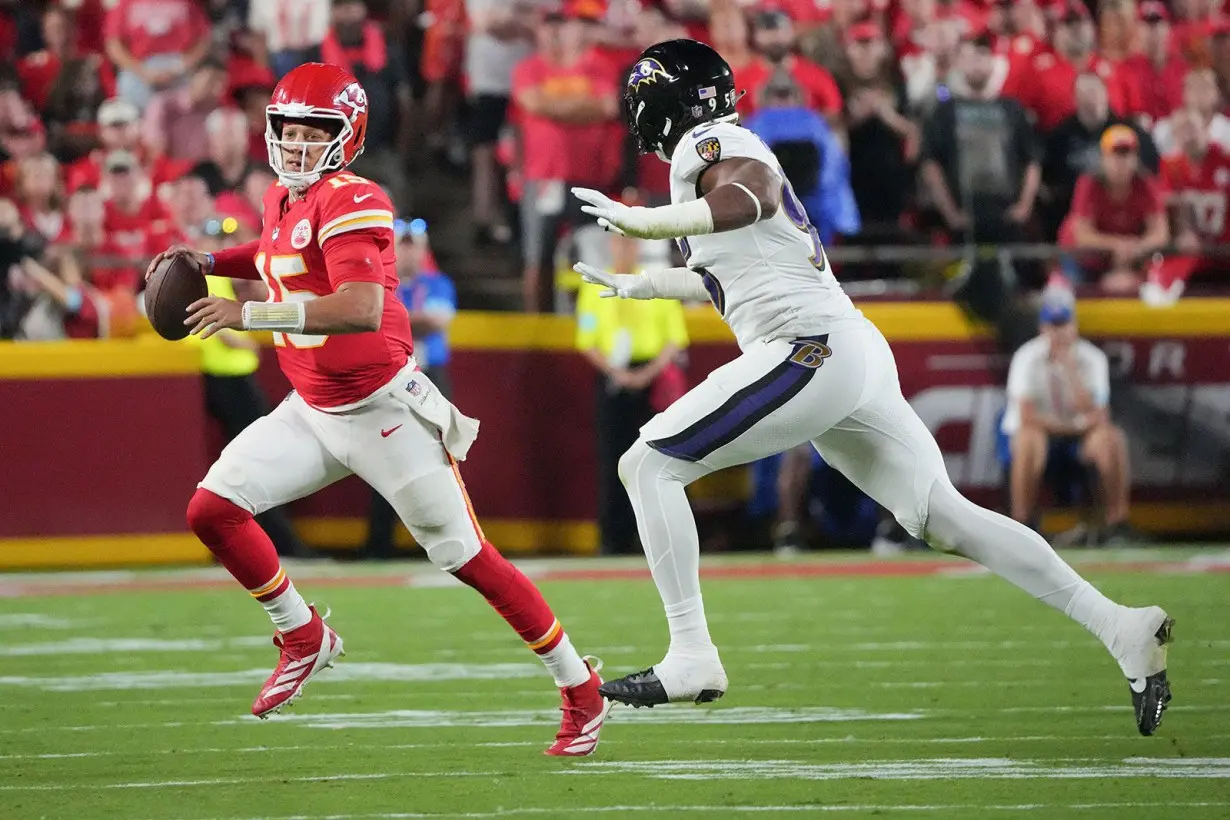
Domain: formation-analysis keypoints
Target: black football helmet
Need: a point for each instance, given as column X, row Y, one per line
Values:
column 675, row 85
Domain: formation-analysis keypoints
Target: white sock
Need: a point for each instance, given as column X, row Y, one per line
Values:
column 1020, row 556
column 668, row 534
column 288, row 610
column 689, row 630
column 564, row 664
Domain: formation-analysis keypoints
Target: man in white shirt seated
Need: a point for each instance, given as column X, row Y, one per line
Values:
column 1058, row 390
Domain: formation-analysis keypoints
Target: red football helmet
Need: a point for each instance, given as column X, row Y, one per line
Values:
column 325, row 95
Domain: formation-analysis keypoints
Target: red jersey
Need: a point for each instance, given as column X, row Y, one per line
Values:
column 1047, row 87
column 134, row 233
column 1128, row 217
column 820, row 92
column 149, row 27
column 293, row 258
column 1155, row 93
column 553, row 150
column 1201, row 186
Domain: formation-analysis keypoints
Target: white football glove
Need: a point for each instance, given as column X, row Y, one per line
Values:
column 611, row 215
column 623, row 285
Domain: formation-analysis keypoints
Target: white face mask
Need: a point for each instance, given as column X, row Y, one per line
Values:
column 332, row 158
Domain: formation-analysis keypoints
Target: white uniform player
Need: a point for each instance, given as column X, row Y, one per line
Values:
column 812, row 369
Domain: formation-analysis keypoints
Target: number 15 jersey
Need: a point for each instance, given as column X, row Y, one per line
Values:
column 298, row 242
column 769, row 280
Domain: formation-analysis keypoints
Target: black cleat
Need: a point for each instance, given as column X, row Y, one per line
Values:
column 644, row 689
column 1150, row 695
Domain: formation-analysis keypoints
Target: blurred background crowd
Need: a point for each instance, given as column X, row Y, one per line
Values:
column 977, row 149
column 1092, row 139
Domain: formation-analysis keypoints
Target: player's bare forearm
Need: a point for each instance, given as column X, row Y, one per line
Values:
column 740, row 192
column 356, row 307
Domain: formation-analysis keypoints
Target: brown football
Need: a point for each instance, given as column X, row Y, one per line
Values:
column 175, row 284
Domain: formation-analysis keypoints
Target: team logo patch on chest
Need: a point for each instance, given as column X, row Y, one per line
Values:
column 709, row 149
column 301, row 234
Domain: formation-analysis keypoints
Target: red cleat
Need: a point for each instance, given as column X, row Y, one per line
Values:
column 584, row 711
column 305, row 651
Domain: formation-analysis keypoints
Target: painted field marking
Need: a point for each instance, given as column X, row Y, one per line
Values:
column 108, row 646
column 848, row 740
column 921, row 769
column 344, row 673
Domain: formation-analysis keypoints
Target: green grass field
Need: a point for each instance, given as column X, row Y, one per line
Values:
column 944, row 694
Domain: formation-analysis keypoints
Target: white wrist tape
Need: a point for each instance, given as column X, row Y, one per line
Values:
column 673, row 221
column 683, row 284
column 755, row 199
column 284, row 317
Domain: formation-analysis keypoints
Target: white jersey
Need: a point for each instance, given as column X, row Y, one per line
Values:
column 770, row 280
column 1033, row 376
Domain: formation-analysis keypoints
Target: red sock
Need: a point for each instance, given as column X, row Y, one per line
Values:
column 514, row 596
column 238, row 542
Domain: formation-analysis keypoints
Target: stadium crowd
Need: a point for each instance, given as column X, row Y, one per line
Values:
column 128, row 124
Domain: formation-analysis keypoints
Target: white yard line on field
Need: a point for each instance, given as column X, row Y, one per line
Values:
column 923, row 769
column 848, row 740
column 1217, row 768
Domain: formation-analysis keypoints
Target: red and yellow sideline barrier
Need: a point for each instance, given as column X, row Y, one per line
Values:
column 103, row 442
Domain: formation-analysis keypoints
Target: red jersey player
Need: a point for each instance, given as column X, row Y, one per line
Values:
column 360, row 404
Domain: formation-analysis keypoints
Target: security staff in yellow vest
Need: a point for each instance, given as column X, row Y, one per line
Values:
column 232, row 397
column 635, row 345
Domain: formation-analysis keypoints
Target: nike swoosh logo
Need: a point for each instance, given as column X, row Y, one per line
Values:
column 359, row 199
column 390, row 431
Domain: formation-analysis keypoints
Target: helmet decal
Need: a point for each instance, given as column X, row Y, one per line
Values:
column 646, row 72
column 354, row 98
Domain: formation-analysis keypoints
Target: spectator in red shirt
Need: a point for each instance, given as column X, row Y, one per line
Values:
column 174, row 123
column 1047, row 87
column 37, row 70
column 1073, row 148
column 1118, row 211
column 1023, row 33
column 134, row 219
column 1191, row 28
column 110, row 276
column 118, row 130
column 1202, row 98
column 1156, row 72
column 155, row 44
column 1196, row 181
column 773, row 37
column 38, row 195
column 566, row 97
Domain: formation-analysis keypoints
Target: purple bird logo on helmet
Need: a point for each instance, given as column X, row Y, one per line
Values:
column 646, row 71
